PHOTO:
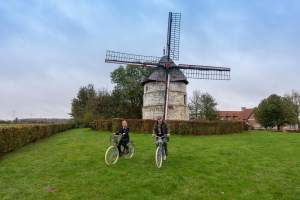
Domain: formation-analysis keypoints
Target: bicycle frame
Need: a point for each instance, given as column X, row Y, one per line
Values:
column 160, row 152
column 115, row 139
column 159, row 142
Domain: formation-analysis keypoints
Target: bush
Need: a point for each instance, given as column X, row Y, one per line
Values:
column 175, row 126
column 14, row 137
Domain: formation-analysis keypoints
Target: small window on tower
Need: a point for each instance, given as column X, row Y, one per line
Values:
column 184, row 99
column 146, row 88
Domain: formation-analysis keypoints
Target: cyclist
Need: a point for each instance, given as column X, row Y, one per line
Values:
column 124, row 131
column 160, row 129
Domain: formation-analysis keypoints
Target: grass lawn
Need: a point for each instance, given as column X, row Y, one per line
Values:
column 70, row 165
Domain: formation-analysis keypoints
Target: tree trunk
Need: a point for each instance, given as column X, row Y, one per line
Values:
column 278, row 127
column 298, row 119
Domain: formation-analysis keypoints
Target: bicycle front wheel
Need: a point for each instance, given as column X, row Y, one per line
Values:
column 158, row 157
column 111, row 155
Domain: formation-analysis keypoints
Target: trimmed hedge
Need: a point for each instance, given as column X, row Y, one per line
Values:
column 175, row 126
column 14, row 137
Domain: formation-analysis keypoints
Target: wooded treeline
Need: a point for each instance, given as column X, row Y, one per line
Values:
column 124, row 101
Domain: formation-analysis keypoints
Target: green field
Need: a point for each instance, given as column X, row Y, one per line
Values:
column 70, row 165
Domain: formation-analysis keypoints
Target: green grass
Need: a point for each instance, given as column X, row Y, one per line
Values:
column 70, row 165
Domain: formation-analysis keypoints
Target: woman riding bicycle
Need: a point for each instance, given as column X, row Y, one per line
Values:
column 160, row 129
column 124, row 131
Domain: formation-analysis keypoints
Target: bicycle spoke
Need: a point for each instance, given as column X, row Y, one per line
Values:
column 111, row 155
column 158, row 158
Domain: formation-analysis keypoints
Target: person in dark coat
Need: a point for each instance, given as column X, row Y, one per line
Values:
column 124, row 131
column 161, row 129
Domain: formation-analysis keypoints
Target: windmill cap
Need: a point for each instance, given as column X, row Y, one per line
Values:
column 165, row 60
column 159, row 75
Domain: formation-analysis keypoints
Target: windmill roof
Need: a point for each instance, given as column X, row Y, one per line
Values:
column 159, row 74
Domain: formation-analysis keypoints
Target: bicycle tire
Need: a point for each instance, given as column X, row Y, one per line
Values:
column 111, row 155
column 158, row 157
column 131, row 151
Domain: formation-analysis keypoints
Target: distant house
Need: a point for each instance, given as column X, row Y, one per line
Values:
column 245, row 114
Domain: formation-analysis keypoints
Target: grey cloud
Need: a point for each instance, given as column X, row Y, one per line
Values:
column 44, row 63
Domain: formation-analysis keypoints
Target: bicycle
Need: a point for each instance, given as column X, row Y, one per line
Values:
column 112, row 153
column 160, row 150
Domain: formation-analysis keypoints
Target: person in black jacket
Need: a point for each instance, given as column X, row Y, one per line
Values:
column 161, row 129
column 124, row 131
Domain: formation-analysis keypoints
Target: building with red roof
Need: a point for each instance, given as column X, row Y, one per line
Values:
column 245, row 114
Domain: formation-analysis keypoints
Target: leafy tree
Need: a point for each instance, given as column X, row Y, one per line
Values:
column 290, row 111
column 203, row 106
column 269, row 112
column 128, row 90
column 295, row 98
column 89, row 105
column 126, row 99
column 84, row 103
column 276, row 111
column 105, row 107
column 4, row 121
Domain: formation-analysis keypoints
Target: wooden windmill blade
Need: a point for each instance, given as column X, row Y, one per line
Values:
column 205, row 72
column 173, row 36
column 127, row 58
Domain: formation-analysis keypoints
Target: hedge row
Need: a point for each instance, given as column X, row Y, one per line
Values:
column 175, row 127
column 14, row 137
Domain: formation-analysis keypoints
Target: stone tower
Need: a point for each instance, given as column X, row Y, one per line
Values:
column 154, row 95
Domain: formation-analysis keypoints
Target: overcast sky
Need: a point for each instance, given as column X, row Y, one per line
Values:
column 48, row 49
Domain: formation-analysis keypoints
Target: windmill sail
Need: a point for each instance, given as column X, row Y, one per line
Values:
column 173, row 35
column 205, row 72
column 126, row 58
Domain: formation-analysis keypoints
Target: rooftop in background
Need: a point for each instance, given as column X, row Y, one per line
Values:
column 243, row 115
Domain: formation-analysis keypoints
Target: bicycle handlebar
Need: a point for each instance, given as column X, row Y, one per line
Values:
column 117, row 135
column 160, row 136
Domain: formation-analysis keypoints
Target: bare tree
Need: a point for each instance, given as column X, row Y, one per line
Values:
column 203, row 106
column 195, row 104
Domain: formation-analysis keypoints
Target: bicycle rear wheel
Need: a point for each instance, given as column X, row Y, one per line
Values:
column 158, row 157
column 164, row 155
column 111, row 155
column 131, row 151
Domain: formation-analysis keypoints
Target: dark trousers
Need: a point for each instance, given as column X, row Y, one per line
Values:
column 165, row 145
column 123, row 142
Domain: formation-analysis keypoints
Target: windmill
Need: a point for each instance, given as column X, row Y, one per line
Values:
column 165, row 69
